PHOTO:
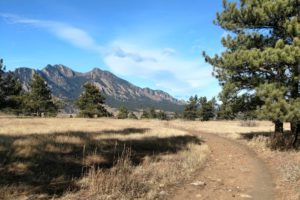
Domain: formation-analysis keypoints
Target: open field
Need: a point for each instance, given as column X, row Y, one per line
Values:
column 94, row 158
column 231, row 129
column 73, row 158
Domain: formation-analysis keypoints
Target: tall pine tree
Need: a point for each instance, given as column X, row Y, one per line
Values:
column 262, row 54
column 38, row 101
column 90, row 102
column 190, row 110
column 10, row 91
column 207, row 109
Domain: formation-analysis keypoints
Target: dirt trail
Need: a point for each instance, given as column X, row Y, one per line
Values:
column 232, row 171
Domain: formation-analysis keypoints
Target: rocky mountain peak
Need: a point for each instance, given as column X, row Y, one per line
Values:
column 62, row 69
column 67, row 84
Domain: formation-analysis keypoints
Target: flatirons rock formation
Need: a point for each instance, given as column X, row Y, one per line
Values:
column 66, row 84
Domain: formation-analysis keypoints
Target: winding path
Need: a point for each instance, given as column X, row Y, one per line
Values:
column 233, row 171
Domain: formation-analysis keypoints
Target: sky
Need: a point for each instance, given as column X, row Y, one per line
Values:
column 150, row 43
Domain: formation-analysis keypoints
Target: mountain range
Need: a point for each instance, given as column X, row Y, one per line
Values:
column 66, row 84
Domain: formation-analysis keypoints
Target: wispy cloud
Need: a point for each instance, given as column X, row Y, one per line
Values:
column 70, row 34
column 168, row 51
column 166, row 69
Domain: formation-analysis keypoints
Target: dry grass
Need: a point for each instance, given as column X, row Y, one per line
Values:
column 231, row 129
column 284, row 165
column 146, row 181
column 94, row 158
column 248, row 123
column 121, row 159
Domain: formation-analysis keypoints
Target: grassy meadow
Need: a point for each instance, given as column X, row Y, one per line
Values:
column 94, row 158
column 76, row 158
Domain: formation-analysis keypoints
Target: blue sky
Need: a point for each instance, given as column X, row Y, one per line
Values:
column 151, row 43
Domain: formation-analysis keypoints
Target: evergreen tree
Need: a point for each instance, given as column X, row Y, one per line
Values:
column 145, row 115
column 176, row 116
column 90, row 102
column 132, row 116
column 190, row 110
column 39, row 100
column 263, row 48
column 234, row 106
column 162, row 115
column 152, row 113
column 123, row 113
column 10, row 91
column 207, row 108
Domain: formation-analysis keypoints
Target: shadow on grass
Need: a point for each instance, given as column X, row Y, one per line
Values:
column 251, row 135
column 288, row 139
column 50, row 163
column 126, row 131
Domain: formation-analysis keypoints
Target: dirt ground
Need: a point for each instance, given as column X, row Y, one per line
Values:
column 233, row 171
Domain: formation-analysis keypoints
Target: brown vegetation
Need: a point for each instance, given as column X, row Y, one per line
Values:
column 94, row 158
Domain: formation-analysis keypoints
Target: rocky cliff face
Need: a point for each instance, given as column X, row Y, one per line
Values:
column 66, row 84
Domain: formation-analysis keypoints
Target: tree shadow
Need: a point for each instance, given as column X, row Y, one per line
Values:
column 51, row 163
column 251, row 135
column 287, row 138
column 126, row 131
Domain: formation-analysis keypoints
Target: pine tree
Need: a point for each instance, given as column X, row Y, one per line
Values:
column 38, row 101
column 152, row 113
column 162, row 115
column 190, row 110
column 132, row 116
column 90, row 102
column 123, row 113
column 10, row 91
column 176, row 116
column 263, row 48
column 207, row 108
column 145, row 115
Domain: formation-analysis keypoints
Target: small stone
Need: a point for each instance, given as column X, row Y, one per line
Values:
column 244, row 170
column 198, row 195
column 198, row 183
column 163, row 193
column 246, row 196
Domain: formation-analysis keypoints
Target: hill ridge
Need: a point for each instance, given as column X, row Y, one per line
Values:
column 66, row 84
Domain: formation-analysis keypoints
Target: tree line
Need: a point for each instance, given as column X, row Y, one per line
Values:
column 200, row 108
column 38, row 100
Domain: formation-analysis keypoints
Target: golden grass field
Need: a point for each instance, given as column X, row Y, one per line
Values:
column 76, row 158
column 93, row 158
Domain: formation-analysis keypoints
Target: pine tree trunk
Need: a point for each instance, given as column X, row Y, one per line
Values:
column 278, row 127
column 295, row 124
column 277, row 138
column 295, row 129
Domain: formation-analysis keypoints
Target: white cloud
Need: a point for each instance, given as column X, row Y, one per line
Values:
column 70, row 34
column 171, row 72
column 167, row 70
